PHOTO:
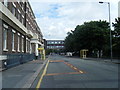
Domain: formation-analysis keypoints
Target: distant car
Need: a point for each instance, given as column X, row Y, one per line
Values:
column 69, row 54
column 62, row 53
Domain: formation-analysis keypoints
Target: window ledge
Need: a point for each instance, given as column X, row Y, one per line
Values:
column 5, row 50
column 18, row 50
column 13, row 51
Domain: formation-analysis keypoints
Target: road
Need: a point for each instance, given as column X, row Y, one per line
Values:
column 66, row 72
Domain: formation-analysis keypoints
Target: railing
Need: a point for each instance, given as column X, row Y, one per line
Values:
column 15, row 59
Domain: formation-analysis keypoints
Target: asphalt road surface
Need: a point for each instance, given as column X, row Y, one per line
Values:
column 66, row 72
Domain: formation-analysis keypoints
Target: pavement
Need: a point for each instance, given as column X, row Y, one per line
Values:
column 22, row 76
column 116, row 61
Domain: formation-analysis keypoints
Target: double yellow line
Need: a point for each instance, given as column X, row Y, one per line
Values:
column 40, row 80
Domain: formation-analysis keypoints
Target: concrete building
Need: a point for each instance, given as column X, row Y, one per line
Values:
column 55, row 44
column 119, row 9
column 20, row 35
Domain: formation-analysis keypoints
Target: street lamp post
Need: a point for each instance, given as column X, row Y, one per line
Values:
column 110, row 29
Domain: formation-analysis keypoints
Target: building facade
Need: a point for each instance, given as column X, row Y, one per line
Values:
column 20, row 35
column 55, row 44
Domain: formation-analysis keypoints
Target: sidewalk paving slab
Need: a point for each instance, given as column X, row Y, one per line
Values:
column 117, row 61
column 22, row 76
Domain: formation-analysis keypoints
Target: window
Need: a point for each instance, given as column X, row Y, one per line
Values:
column 13, row 40
column 22, row 21
column 13, row 10
column 19, row 16
column 55, row 42
column 6, row 3
column 27, row 10
column 21, row 2
column 14, row 4
column 29, row 45
column 18, row 42
column 30, row 48
column 52, row 42
column 22, row 43
column 26, row 44
column 5, row 37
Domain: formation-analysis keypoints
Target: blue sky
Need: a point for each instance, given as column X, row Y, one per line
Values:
column 51, row 12
column 57, row 18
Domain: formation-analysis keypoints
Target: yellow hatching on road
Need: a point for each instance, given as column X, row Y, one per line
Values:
column 40, row 80
column 45, row 70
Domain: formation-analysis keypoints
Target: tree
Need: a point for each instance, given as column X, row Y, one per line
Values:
column 69, row 42
column 116, row 39
column 117, row 27
column 91, row 35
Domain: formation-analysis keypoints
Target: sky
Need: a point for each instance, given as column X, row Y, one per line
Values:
column 57, row 17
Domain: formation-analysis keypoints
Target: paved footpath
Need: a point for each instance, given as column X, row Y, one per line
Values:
column 22, row 76
column 116, row 61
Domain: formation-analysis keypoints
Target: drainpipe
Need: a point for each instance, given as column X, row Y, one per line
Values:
column 25, row 15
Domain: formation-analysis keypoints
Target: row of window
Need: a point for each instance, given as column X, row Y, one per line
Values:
column 52, row 47
column 55, row 42
column 17, row 13
column 20, row 2
column 20, row 40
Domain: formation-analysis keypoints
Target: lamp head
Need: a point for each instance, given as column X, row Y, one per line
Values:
column 101, row 2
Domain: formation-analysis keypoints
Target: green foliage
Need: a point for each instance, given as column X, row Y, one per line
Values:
column 117, row 27
column 57, row 51
column 91, row 35
column 116, row 39
column 48, row 51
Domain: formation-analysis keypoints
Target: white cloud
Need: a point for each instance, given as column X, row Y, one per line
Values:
column 57, row 18
column 59, row 1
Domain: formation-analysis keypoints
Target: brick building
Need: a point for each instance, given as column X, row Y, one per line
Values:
column 20, row 35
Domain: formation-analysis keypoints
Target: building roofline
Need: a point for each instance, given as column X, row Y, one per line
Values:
column 55, row 40
column 30, row 8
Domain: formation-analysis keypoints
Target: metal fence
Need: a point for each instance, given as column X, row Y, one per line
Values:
column 15, row 59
